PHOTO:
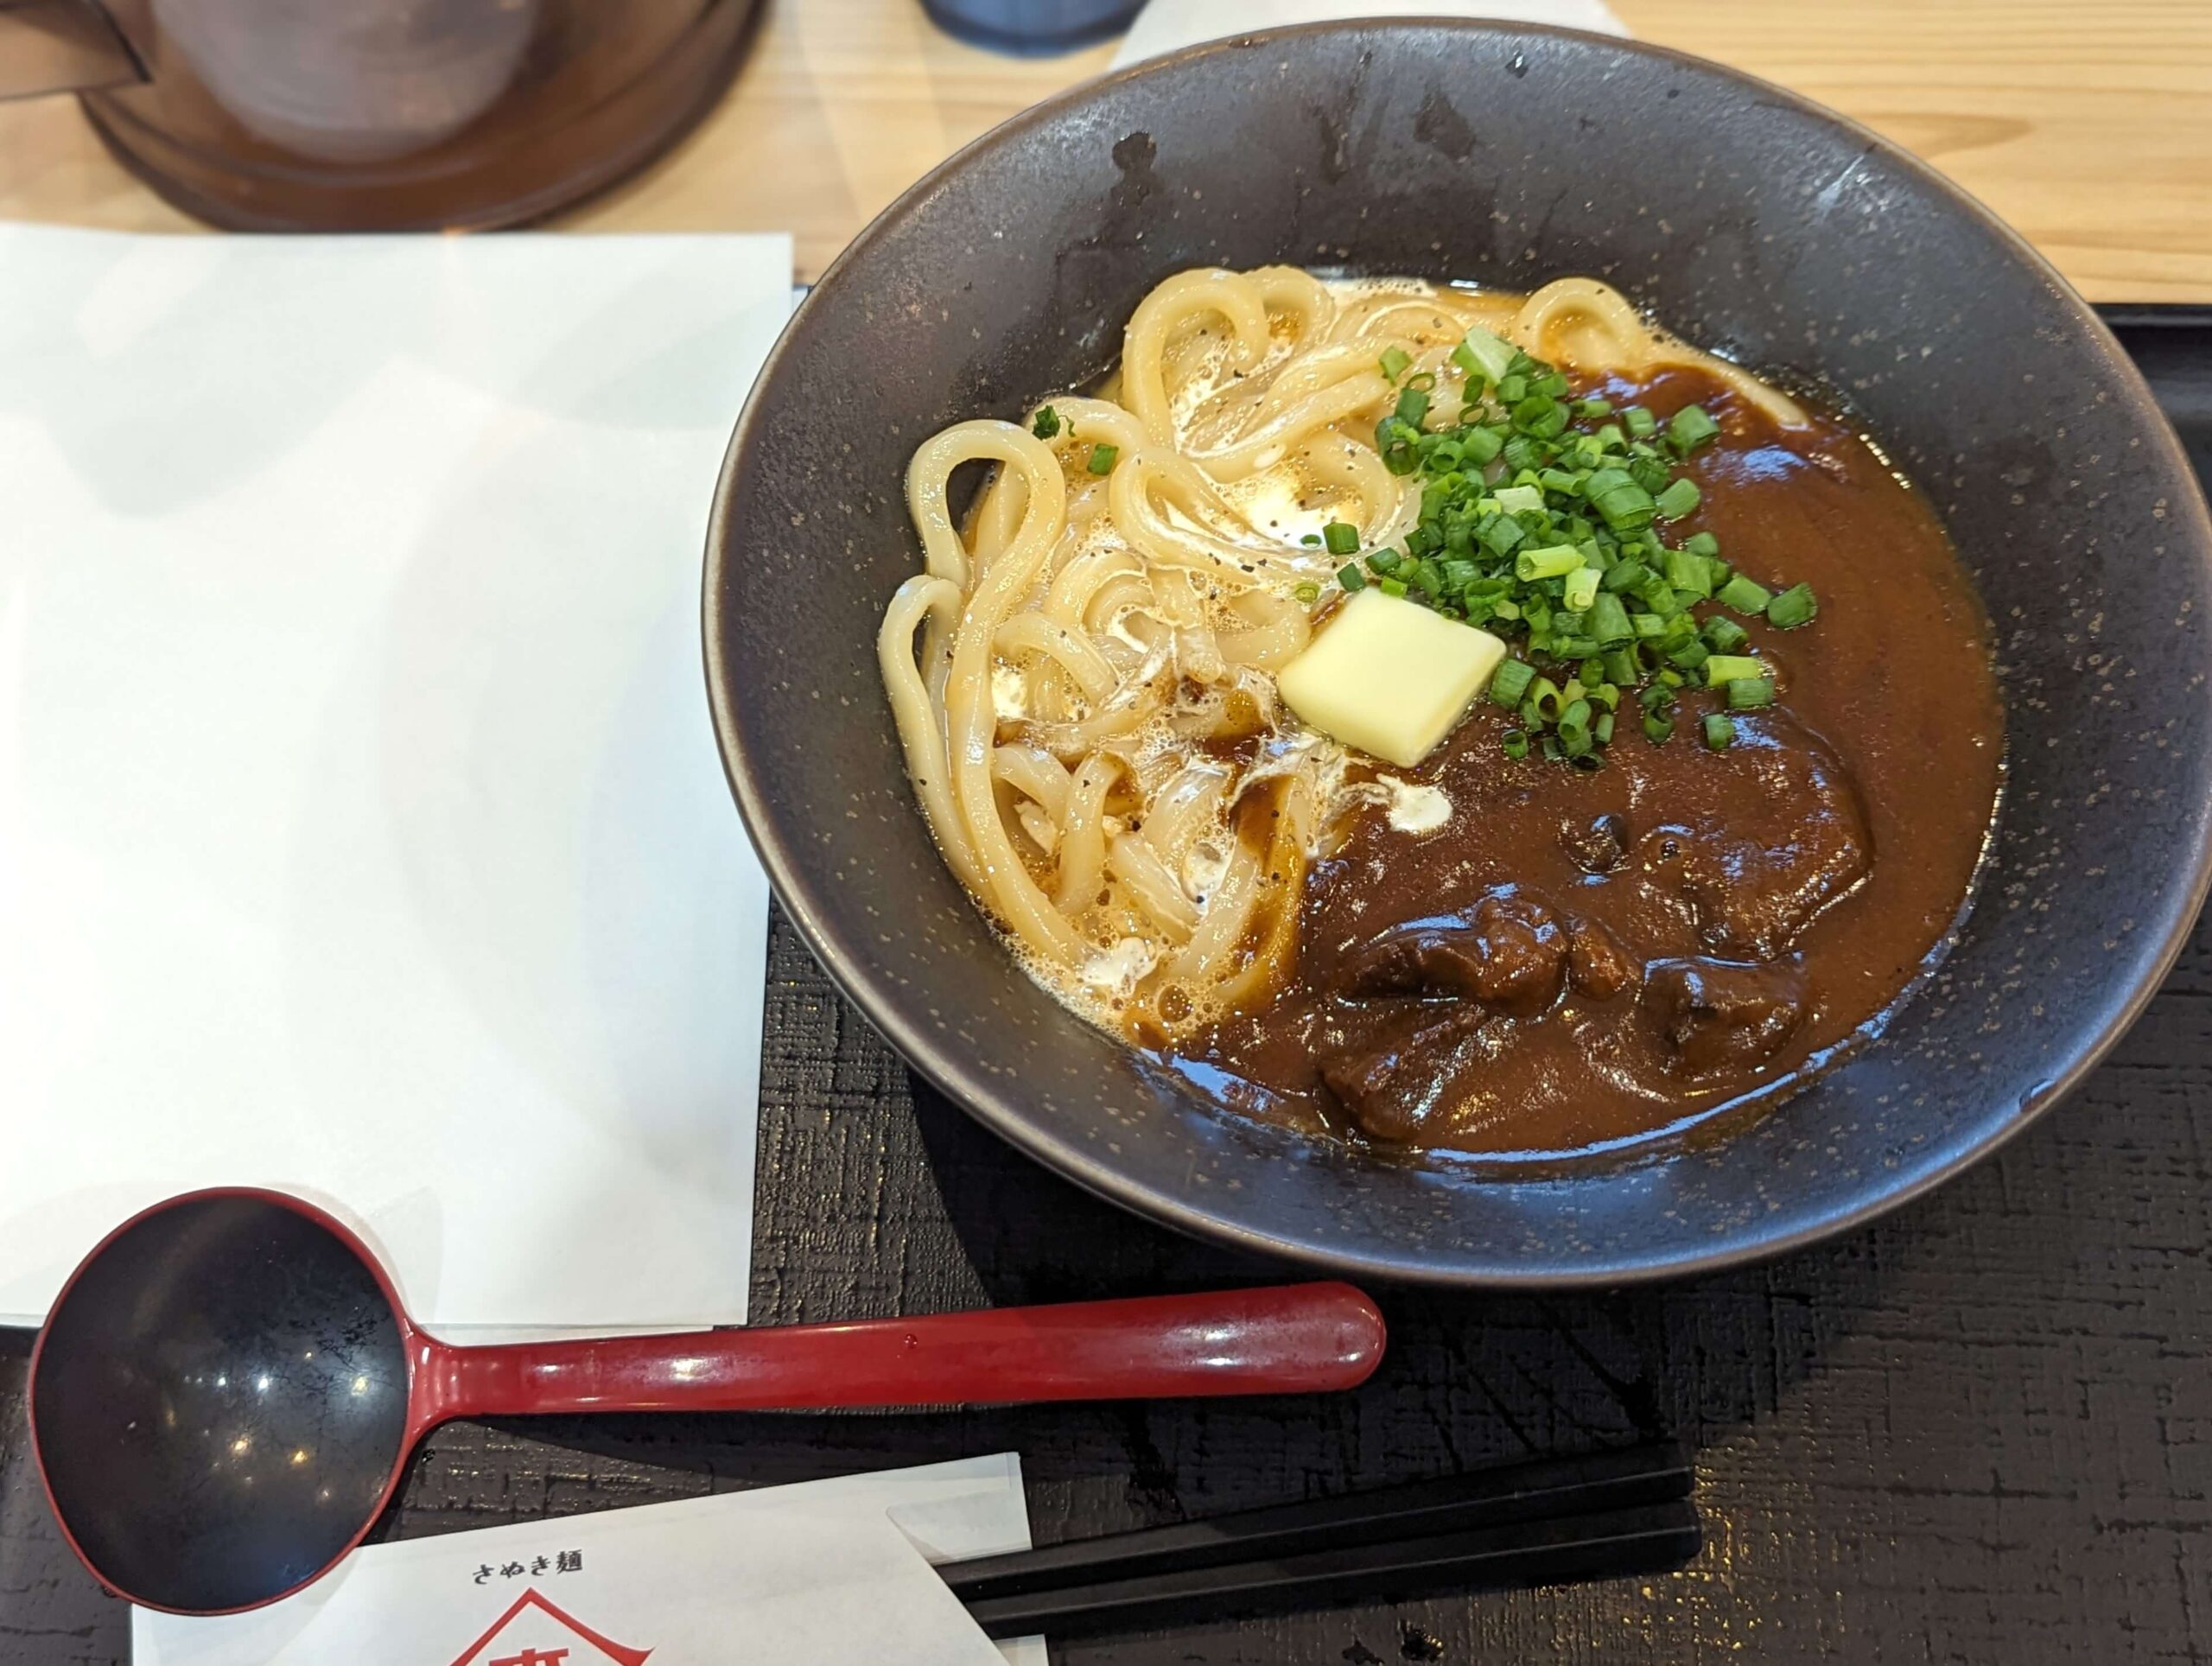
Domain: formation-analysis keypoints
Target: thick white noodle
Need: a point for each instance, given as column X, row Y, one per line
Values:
column 1083, row 683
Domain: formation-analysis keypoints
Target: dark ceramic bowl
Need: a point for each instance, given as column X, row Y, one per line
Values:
column 1745, row 217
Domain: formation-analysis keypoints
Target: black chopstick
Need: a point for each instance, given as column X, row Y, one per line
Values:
column 1499, row 1497
column 1608, row 1543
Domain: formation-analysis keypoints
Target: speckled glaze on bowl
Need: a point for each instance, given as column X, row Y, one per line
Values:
column 1744, row 217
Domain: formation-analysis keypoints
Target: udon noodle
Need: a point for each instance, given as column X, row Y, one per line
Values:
column 1084, row 676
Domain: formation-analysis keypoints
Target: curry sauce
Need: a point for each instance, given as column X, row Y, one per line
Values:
column 1576, row 959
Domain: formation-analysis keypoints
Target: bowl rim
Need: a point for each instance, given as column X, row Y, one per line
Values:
column 980, row 1097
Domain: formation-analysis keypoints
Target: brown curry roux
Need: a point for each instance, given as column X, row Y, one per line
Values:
column 1575, row 960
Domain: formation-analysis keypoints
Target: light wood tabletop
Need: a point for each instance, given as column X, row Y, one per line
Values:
column 2086, row 123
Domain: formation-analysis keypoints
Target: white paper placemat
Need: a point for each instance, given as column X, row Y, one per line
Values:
column 361, row 827
column 1170, row 25
column 829, row 1574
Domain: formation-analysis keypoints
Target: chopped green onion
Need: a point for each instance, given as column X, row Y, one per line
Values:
column 1720, row 731
column 1744, row 595
column 1554, row 561
column 1574, row 729
column 1479, row 445
column 1794, row 606
column 1483, row 354
column 1521, row 452
column 1509, row 683
column 1677, row 501
column 1723, row 635
column 1516, row 745
column 1103, row 458
column 1625, row 506
column 1538, row 511
column 1307, row 591
column 1539, row 416
column 1608, row 622
column 1659, row 595
column 1688, row 572
column 1690, row 428
column 1045, row 423
column 1396, row 440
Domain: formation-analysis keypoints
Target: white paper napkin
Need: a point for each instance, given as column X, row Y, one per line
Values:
column 830, row 1573
column 1169, row 25
column 361, row 827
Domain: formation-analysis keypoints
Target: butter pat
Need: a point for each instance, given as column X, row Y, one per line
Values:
column 1388, row 675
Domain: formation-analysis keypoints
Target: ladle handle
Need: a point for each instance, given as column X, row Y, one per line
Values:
column 1282, row 1339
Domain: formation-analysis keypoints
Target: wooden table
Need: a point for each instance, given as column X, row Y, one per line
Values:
column 2087, row 124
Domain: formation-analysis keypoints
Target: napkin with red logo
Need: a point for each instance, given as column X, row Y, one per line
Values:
column 828, row 1573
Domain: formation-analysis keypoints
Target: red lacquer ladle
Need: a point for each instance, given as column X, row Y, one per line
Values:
column 227, row 1388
